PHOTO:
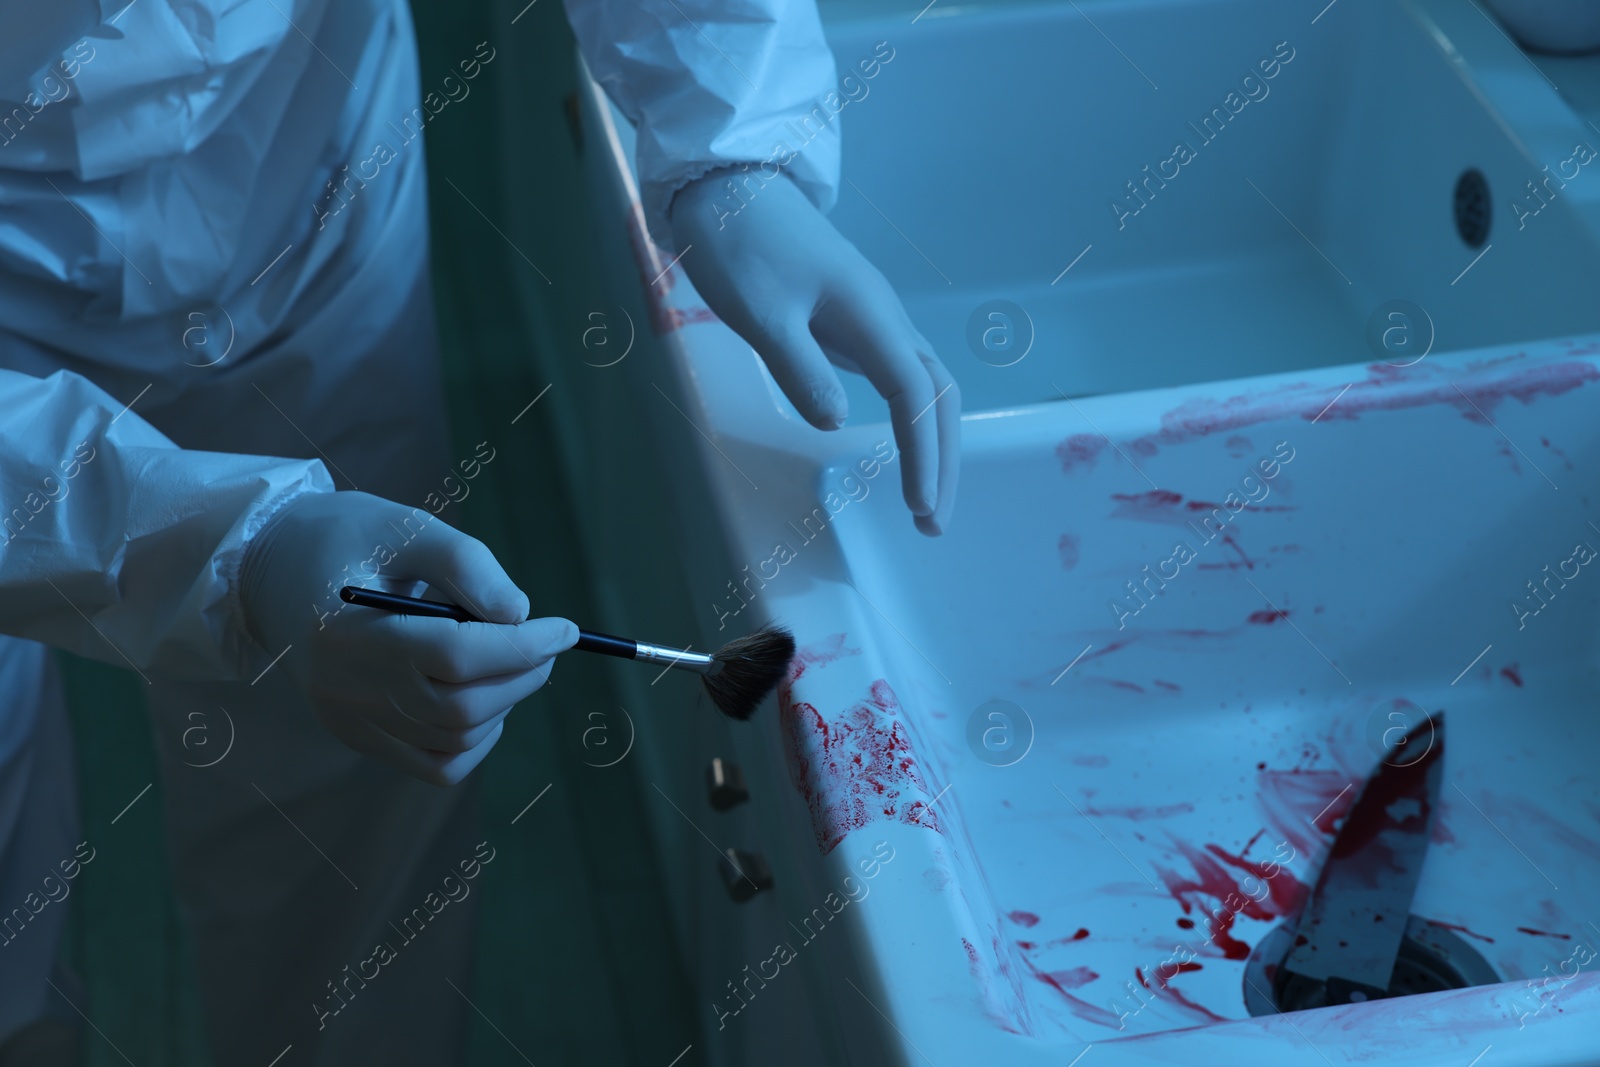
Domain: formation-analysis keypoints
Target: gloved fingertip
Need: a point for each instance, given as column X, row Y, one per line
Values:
column 829, row 408
column 551, row 635
column 508, row 606
column 480, row 585
column 921, row 500
column 927, row 525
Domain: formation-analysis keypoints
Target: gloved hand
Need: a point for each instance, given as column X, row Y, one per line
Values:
column 787, row 282
column 426, row 695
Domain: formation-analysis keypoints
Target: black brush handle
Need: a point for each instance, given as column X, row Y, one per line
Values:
column 606, row 645
column 588, row 640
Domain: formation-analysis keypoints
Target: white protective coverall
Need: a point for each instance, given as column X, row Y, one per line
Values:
column 189, row 339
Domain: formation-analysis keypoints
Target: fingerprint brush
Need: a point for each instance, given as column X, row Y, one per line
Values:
column 737, row 677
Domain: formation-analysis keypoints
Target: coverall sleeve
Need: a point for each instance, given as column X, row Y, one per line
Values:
column 120, row 546
column 709, row 83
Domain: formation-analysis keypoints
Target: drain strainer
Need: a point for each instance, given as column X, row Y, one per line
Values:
column 1431, row 959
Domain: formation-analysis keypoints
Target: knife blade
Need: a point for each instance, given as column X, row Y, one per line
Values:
column 1350, row 932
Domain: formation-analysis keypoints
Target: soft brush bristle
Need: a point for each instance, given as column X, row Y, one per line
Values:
column 752, row 667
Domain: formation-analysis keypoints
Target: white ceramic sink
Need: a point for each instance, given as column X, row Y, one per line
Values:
column 1053, row 866
column 1232, row 720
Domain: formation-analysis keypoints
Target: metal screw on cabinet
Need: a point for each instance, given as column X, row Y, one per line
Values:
column 1472, row 207
column 725, row 785
column 744, row 873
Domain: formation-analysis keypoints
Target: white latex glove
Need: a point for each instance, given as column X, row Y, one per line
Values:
column 427, row 695
column 786, row 281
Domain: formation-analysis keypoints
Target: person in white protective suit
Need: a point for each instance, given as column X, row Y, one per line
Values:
column 185, row 504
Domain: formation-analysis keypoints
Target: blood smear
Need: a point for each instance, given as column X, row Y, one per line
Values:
column 857, row 767
column 1067, row 546
column 1542, row 933
column 1386, row 389
column 1081, row 449
column 1458, row 928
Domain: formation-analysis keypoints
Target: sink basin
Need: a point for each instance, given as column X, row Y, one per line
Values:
column 1265, row 463
column 1168, row 765
column 1329, row 193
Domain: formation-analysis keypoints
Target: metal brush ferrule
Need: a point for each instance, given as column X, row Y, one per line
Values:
column 698, row 662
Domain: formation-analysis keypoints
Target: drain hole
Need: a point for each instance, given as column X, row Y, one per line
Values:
column 1431, row 959
column 1472, row 208
column 1420, row 970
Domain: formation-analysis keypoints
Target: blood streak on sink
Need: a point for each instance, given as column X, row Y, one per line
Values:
column 1386, row 389
column 1163, row 506
column 1475, row 394
column 1266, row 618
column 1069, row 548
column 1164, row 990
column 1158, row 505
column 1160, row 811
column 1458, row 928
column 1080, row 449
column 1075, row 978
column 1542, row 933
column 1212, row 882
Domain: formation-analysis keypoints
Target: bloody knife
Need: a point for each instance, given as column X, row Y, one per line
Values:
column 1350, row 932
